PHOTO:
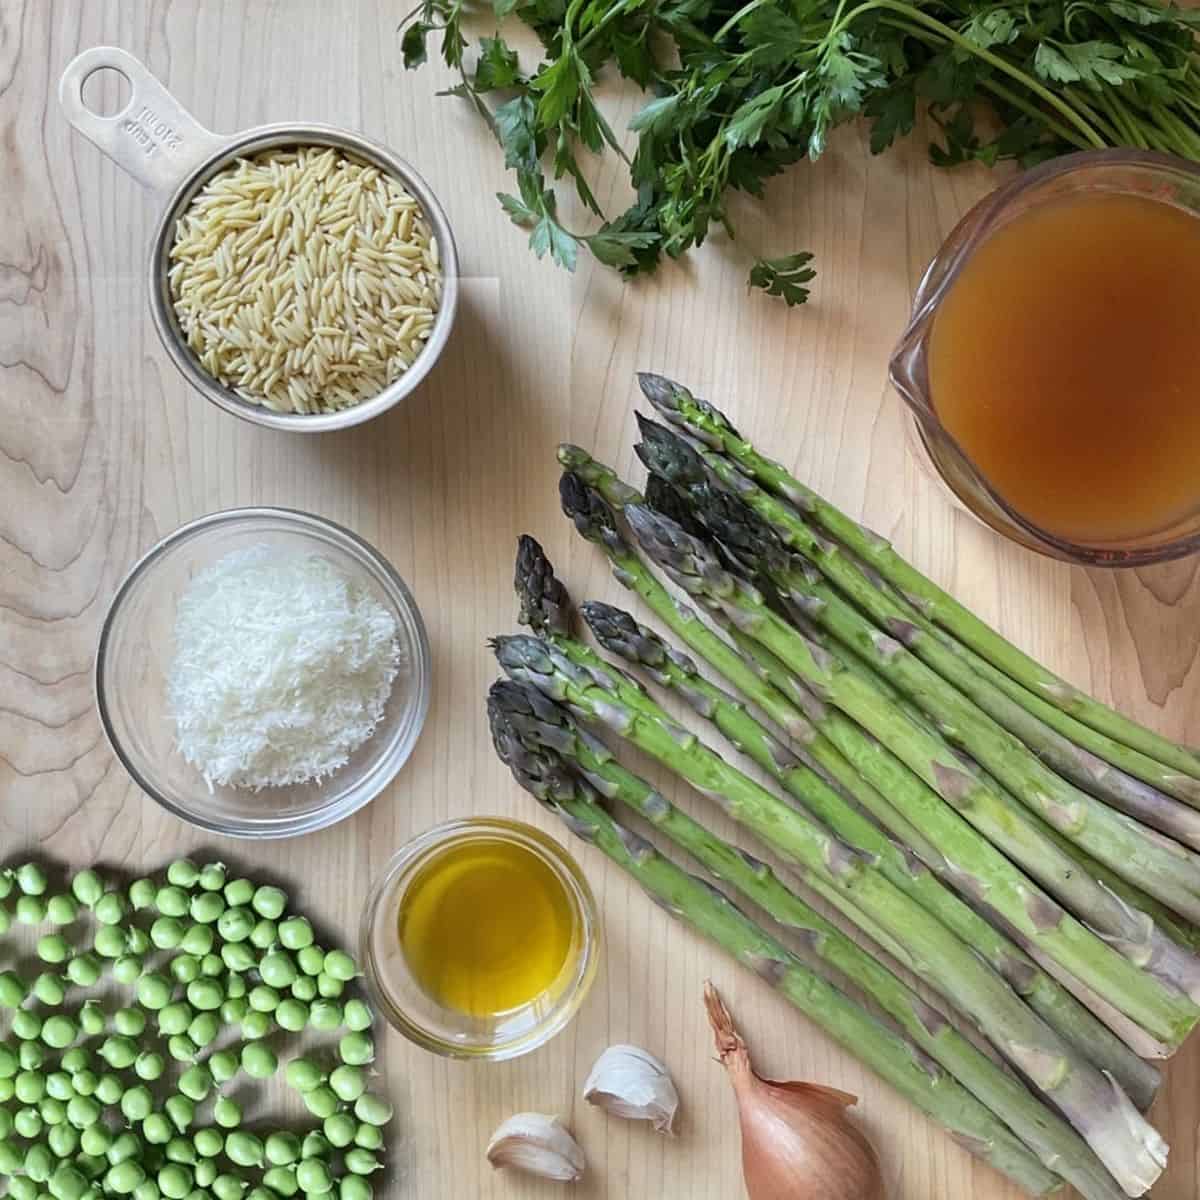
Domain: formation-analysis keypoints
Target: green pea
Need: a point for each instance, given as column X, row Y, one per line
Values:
column 142, row 893
column 28, row 1123
column 205, row 995
column 325, row 1014
column 53, row 948
column 29, row 1087
column 171, row 901
column 124, row 1148
column 205, row 1172
column 147, row 1190
column 244, row 1149
column 26, row 1025
column 157, row 1129
column 183, row 873
column 269, row 902
column 126, row 969
column 369, row 1137
column 111, row 908
column 30, row 910
column 228, row 1187
column 313, row 1176
column 264, row 999
column 93, row 1168
column 305, row 989
column 291, row 1015
column 175, row 1018
column 49, row 989
column 235, row 986
column 181, row 1111
column 282, row 1148
column 6, row 1124
column 119, row 1052
column 7, row 883
column 355, row 1187
column 362, row 1162
column 67, row 1183
column 281, row 1181
column 340, row 1129
column 264, row 935
column 109, row 1089
column 181, row 1048
column 21, row 1188
column 62, row 910
column 227, row 1113
column 330, row 987
column 259, row 1061
column 84, row 970
column 174, row 1181
column 237, row 956
column 76, row 1059
column 311, row 960
column 125, row 1177
column 153, row 991
column 207, row 907
column 11, row 1159
column 13, row 990
column 138, row 941
column 233, row 1011
column 212, row 966
column 255, row 1025
column 85, row 1082
column 185, row 967
column 91, row 1018
column 198, row 940
column 303, row 1075
column 10, row 1061
column 31, row 1056
column 59, row 1085
column 87, row 888
column 316, row 1145
column 6, row 1090
column 295, row 933
column 111, row 942
column 63, row 1139
column 181, row 1150
column 340, row 965
column 137, row 1103
column 167, row 932
column 129, row 1022
column 260, row 1193
column 322, row 1102
column 209, row 1142
column 357, row 1049
column 212, row 877
column 83, row 1111
column 31, row 879
column 235, row 924
column 39, row 1163
column 204, row 1029
column 95, row 1140
column 195, row 1083
column 58, row 1032
column 348, row 1082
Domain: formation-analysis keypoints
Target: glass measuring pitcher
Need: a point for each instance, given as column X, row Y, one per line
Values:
column 1161, row 178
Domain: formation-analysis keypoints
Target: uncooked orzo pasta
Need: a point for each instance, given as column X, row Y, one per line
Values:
column 304, row 279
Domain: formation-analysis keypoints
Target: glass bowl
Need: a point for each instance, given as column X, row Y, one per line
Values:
column 1160, row 177
column 409, row 1009
column 136, row 648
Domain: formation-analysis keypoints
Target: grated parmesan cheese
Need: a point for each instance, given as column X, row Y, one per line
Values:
column 283, row 666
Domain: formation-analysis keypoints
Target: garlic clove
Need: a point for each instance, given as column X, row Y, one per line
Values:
column 630, row 1082
column 539, row 1145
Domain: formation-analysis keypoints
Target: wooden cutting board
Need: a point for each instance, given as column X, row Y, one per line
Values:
column 104, row 449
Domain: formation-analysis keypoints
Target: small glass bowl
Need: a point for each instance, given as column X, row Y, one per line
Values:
column 136, row 648
column 409, row 1008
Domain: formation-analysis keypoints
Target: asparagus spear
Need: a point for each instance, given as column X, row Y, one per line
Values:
column 710, row 426
column 707, row 911
column 593, row 518
column 687, row 469
column 1159, row 866
column 544, row 727
column 845, row 734
column 1095, row 1104
column 1159, row 1005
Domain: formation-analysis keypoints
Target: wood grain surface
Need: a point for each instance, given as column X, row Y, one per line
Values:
column 104, row 449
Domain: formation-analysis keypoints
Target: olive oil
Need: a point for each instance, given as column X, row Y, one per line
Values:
column 1065, row 361
column 486, row 927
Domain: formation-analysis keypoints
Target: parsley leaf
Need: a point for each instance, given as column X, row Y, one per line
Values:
column 784, row 277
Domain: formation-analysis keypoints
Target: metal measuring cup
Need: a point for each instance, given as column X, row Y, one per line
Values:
column 157, row 141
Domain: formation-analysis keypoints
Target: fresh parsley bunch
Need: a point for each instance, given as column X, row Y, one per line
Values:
column 741, row 91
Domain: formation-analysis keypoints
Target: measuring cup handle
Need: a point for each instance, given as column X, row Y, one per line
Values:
column 154, row 138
